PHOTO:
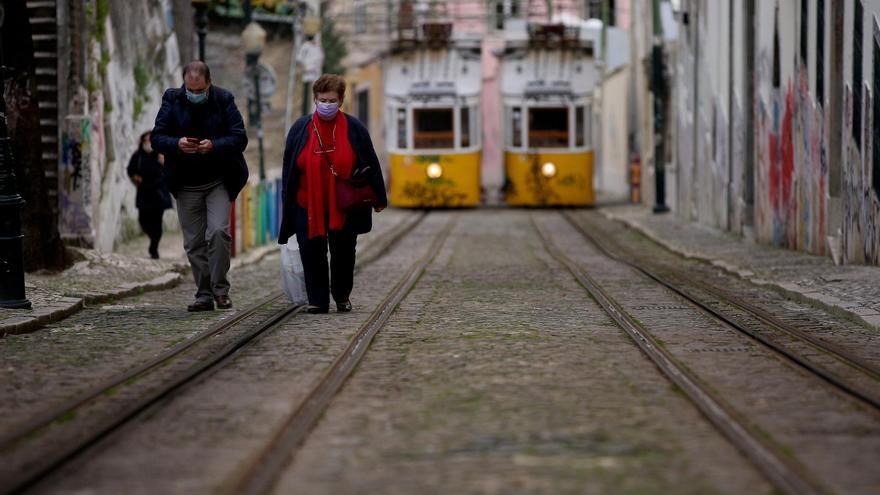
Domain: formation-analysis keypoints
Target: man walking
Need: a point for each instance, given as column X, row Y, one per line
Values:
column 201, row 133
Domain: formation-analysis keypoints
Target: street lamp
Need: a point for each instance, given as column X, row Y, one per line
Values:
column 201, row 19
column 11, row 260
column 311, row 26
column 253, row 38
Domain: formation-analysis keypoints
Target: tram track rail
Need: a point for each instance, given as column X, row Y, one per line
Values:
column 40, row 423
column 784, row 473
column 664, row 275
column 264, row 469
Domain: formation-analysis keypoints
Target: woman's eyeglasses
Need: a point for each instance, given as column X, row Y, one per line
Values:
column 321, row 143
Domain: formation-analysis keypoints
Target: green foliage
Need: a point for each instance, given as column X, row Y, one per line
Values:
column 141, row 83
column 102, row 64
column 93, row 84
column 141, row 77
column 233, row 9
column 333, row 46
column 138, row 107
column 103, row 7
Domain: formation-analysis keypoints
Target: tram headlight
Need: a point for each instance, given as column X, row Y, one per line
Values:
column 548, row 170
column 434, row 171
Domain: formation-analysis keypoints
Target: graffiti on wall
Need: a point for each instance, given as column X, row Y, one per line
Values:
column 775, row 208
column 861, row 211
column 75, row 176
column 812, row 169
column 737, row 161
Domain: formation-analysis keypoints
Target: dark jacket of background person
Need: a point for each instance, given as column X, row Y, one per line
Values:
column 359, row 221
column 152, row 192
column 216, row 119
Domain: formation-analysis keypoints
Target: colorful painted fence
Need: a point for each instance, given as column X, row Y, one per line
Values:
column 256, row 215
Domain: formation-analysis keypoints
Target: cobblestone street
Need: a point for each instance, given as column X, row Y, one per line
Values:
column 554, row 247
column 501, row 370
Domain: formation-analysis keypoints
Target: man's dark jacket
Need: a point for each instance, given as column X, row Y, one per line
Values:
column 359, row 221
column 223, row 126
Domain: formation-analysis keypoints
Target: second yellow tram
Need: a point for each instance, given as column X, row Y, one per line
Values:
column 548, row 75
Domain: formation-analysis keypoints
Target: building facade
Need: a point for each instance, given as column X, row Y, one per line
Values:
column 772, row 120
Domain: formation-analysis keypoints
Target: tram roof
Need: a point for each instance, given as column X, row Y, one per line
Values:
column 436, row 35
column 520, row 34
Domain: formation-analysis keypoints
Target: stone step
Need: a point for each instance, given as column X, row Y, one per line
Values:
column 43, row 21
column 47, row 139
column 47, row 105
column 50, row 174
column 44, row 25
column 49, row 156
column 48, row 123
column 46, row 71
column 45, row 37
column 46, row 4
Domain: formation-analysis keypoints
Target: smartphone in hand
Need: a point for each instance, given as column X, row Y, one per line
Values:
column 193, row 140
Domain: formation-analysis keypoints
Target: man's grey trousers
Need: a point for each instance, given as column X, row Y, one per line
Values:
column 204, row 220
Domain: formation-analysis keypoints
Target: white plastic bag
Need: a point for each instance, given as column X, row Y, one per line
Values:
column 293, row 279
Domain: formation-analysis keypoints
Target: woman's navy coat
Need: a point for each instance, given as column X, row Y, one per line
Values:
column 225, row 129
column 359, row 221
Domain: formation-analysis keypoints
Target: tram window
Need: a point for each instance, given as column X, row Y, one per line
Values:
column 465, row 127
column 401, row 128
column 433, row 128
column 579, row 126
column 588, row 125
column 515, row 138
column 548, row 127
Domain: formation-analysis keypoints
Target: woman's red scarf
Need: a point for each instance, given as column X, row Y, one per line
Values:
column 318, row 185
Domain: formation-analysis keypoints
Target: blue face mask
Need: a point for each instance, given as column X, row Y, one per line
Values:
column 196, row 97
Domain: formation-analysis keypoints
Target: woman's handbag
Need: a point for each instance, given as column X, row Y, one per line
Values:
column 353, row 193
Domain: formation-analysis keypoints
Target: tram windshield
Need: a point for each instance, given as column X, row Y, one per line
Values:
column 548, row 127
column 433, row 128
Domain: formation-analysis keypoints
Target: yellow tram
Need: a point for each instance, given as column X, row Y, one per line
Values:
column 548, row 73
column 433, row 124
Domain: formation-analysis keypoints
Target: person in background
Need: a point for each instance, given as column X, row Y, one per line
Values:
column 201, row 133
column 314, row 142
column 146, row 172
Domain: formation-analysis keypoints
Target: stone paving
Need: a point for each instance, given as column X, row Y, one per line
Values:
column 497, row 374
column 852, row 290
column 835, row 439
column 196, row 443
column 99, row 278
column 69, row 356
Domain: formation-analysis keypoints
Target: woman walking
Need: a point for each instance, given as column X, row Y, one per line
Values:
column 324, row 151
column 146, row 170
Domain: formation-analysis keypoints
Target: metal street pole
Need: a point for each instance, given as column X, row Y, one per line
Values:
column 201, row 20
column 253, row 41
column 258, row 110
column 12, row 293
column 297, row 30
column 658, row 87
